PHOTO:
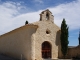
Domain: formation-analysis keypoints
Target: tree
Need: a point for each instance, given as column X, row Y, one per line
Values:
column 64, row 38
column 26, row 22
column 79, row 38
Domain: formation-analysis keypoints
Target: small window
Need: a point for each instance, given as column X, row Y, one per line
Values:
column 47, row 32
column 47, row 16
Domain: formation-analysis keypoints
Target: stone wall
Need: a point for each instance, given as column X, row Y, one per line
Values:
column 73, row 52
column 41, row 36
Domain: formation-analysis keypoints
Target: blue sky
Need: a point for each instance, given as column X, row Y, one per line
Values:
column 35, row 5
column 14, row 13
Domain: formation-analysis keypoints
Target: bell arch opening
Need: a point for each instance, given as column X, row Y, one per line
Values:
column 46, row 50
column 47, row 16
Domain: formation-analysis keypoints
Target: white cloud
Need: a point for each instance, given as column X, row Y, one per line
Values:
column 8, row 11
column 10, row 17
column 69, row 11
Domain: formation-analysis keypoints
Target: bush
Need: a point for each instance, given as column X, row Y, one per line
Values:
column 26, row 22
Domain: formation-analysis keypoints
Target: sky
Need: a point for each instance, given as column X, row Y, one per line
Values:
column 14, row 13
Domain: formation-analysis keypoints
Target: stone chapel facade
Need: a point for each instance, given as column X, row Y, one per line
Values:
column 39, row 40
column 36, row 41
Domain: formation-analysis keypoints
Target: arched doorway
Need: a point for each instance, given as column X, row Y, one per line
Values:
column 46, row 50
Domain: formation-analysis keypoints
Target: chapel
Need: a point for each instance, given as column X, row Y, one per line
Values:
column 34, row 41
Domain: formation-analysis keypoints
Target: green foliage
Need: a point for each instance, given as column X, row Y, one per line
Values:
column 26, row 22
column 64, row 38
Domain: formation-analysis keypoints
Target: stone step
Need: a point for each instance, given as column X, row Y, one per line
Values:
column 47, row 59
column 58, row 59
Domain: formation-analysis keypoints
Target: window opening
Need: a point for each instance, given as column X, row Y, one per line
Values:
column 47, row 32
column 47, row 16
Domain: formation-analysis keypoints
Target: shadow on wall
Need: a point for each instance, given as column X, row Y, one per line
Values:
column 57, row 42
column 5, row 57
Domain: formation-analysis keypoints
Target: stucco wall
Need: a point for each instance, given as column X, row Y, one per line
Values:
column 18, row 42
